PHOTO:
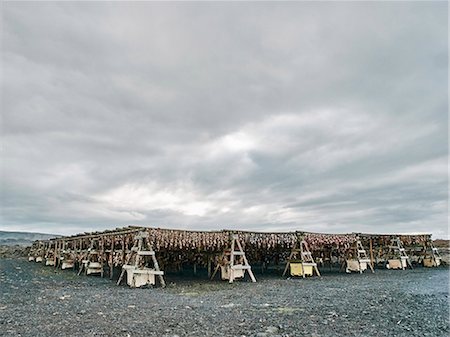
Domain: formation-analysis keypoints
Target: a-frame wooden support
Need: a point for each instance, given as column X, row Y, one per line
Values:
column 56, row 255
column 233, row 262
column 67, row 258
column 49, row 254
column 92, row 259
column 37, row 251
column 431, row 256
column 301, row 254
column 397, row 253
column 135, row 265
column 360, row 260
column 32, row 253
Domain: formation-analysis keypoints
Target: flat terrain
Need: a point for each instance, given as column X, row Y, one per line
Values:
column 37, row 301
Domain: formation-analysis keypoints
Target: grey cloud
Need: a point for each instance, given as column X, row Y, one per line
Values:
column 270, row 116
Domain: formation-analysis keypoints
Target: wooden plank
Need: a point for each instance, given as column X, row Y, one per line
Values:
column 232, row 259
column 146, row 253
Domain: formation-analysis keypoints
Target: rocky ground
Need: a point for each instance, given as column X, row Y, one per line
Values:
column 38, row 301
column 13, row 251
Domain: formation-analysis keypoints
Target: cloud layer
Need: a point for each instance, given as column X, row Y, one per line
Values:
column 328, row 117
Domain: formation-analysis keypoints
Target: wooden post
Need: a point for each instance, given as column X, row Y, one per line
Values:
column 111, row 259
column 123, row 251
column 81, row 256
column 232, row 260
column 56, row 253
column 75, row 254
column 102, row 253
column 209, row 265
column 331, row 258
column 371, row 254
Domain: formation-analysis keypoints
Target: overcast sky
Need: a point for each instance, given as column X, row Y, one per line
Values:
column 326, row 117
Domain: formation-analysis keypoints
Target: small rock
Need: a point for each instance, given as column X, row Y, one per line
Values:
column 230, row 305
column 272, row 329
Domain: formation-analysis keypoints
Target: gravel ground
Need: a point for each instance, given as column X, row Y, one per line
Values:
column 37, row 301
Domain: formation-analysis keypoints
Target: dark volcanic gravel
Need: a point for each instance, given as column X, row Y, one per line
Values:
column 37, row 301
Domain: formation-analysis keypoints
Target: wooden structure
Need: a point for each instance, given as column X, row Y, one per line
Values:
column 431, row 256
column 49, row 254
column 233, row 263
column 145, row 254
column 301, row 261
column 67, row 258
column 397, row 256
column 359, row 261
column 37, row 253
column 92, row 260
column 138, row 274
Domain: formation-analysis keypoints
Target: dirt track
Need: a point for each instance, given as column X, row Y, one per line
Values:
column 37, row 301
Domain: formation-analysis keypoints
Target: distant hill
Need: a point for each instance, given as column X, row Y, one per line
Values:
column 441, row 243
column 22, row 238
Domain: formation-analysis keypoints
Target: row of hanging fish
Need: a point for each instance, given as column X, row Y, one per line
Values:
column 183, row 240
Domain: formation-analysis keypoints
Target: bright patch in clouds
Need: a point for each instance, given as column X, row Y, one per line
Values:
column 152, row 197
column 236, row 142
